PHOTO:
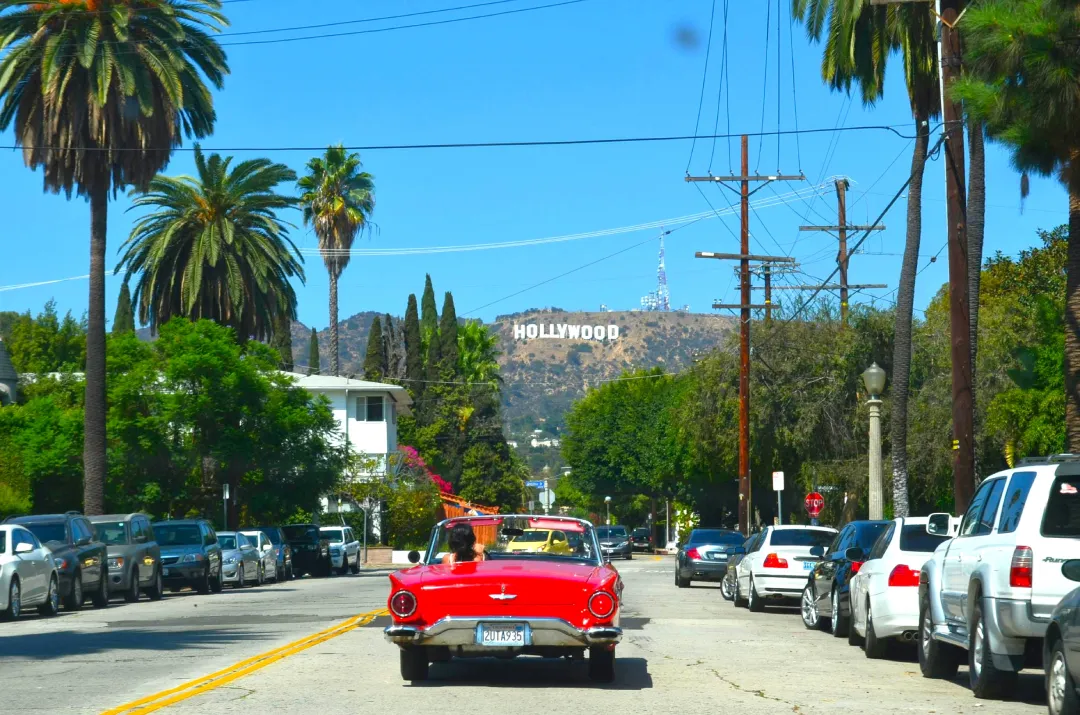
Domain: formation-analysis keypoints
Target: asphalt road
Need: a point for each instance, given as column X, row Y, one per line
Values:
column 685, row 651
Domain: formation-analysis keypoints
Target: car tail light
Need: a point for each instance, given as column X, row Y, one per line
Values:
column 403, row 604
column 772, row 561
column 855, row 566
column 1020, row 571
column 693, row 553
column 601, row 604
column 903, row 575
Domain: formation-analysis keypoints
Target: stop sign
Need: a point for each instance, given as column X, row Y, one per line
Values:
column 814, row 503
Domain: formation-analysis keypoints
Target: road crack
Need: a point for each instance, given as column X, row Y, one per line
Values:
column 757, row 693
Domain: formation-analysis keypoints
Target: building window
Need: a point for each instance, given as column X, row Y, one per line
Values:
column 370, row 409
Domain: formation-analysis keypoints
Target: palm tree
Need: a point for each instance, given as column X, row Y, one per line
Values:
column 478, row 353
column 213, row 247
column 338, row 200
column 98, row 100
column 1021, row 67
column 859, row 39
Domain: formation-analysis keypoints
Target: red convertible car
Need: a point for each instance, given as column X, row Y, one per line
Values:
column 506, row 586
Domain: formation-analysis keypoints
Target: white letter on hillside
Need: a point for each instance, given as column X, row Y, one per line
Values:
column 531, row 330
column 562, row 330
column 586, row 332
column 599, row 332
column 613, row 332
column 574, row 331
column 519, row 332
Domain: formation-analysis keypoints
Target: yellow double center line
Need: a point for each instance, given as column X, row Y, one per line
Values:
column 222, row 677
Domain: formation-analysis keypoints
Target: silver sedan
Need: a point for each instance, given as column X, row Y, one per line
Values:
column 27, row 574
column 241, row 562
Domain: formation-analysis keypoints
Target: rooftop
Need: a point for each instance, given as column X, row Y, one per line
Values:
column 7, row 370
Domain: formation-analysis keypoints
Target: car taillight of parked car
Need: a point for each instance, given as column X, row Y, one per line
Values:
column 693, row 553
column 601, row 604
column 855, row 566
column 1020, row 570
column 903, row 575
column 772, row 561
column 403, row 604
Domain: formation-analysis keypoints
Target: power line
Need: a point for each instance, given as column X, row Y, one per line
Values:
column 704, row 76
column 764, row 82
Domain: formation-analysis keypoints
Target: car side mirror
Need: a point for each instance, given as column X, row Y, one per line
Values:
column 855, row 554
column 1071, row 569
column 266, row 547
column 737, row 550
column 730, row 551
column 414, row 557
column 24, row 548
column 817, row 551
column 938, row 524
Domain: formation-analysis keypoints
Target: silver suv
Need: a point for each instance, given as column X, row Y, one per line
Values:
column 990, row 591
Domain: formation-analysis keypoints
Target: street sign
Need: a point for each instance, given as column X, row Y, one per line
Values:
column 538, row 484
column 814, row 503
column 547, row 498
column 778, row 481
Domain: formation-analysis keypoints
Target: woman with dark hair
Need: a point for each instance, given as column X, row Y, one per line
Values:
column 463, row 546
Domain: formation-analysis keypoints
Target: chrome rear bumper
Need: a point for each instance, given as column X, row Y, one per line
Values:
column 543, row 632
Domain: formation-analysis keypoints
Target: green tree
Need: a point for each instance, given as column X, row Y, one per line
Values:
column 96, row 120
column 478, row 353
column 213, row 247
column 124, row 319
column 414, row 355
column 314, row 364
column 46, row 343
column 373, row 360
column 448, row 338
column 429, row 314
column 282, row 340
column 338, row 199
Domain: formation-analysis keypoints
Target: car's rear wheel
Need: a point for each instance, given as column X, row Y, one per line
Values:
column 74, row 600
column 936, row 659
column 602, row 664
column 809, row 611
column 839, row 625
column 101, row 596
column 679, row 580
column 753, row 601
column 1061, row 697
column 987, row 681
column 739, row 601
column 874, row 647
column 157, row 591
column 52, row 601
column 14, row 607
column 725, row 590
column 414, row 664
column 132, row 594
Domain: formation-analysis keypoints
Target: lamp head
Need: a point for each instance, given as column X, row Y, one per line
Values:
column 874, row 379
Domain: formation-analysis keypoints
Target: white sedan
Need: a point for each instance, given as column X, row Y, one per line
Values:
column 885, row 592
column 27, row 574
column 777, row 564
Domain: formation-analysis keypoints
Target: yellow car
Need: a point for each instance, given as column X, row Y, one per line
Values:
column 537, row 541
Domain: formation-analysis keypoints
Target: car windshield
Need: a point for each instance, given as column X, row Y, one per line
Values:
column 1062, row 516
column 334, row 536
column 611, row 532
column 641, row 532
column 914, row 538
column 515, row 537
column 271, row 533
column 177, row 534
column 112, row 533
column 301, row 533
column 801, row 537
column 227, row 541
column 252, row 537
column 48, row 531
column 714, row 536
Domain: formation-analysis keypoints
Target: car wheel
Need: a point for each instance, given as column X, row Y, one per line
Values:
column 725, row 590
column 753, row 600
column 1061, row 697
column 809, row 611
column 874, row 647
column 602, row 664
column 936, row 660
column 629, row 555
column 157, row 591
column 217, row 583
column 344, row 566
column 74, row 599
column 52, row 602
column 14, row 608
column 101, row 596
column 203, row 587
column 133, row 593
column 356, row 564
column 987, row 681
column 679, row 580
column 839, row 625
column 853, row 637
column 240, row 577
column 740, row 602
column 414, row 664
column 261, row 577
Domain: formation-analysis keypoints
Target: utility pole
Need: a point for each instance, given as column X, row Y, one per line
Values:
column 744, row 259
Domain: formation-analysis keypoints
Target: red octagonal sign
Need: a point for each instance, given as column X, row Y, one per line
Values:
column 814, row 504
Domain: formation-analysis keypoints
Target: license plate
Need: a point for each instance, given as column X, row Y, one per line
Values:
column 165, row 572
column 503, row 635
column 807, row 565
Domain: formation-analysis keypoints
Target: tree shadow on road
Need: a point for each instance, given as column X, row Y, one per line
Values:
column 66, row 644
column 630, row 674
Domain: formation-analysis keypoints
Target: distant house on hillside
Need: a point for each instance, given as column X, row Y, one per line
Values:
column 9, row 379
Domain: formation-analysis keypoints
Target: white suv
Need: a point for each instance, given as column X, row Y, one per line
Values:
column 344, row 548
column 991, row 590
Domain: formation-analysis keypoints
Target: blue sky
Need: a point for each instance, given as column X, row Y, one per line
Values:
column 596, row 68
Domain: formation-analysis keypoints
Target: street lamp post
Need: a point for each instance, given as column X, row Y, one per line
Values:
column 607, row 505
column 874, row 379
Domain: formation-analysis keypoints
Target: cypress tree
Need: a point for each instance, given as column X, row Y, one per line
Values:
column 124, row 320
column 433, row 367
column 390, row 352
column 448, row 337
column 313, row 354
column 282, row 341
column 414, row 356
column 373, row 360
column 429, row 315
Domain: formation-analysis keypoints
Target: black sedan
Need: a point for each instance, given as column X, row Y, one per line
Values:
column 704, row 556
column 310, row 549
column 1062, row 638
column 826, row 602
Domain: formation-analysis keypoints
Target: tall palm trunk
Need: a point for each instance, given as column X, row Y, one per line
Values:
column 976, row 222
column 1072, row 313
column 94, row 413
column 335, row 366
column 905, row 302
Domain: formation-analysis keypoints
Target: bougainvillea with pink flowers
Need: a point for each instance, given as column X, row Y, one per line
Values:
column 412, row 460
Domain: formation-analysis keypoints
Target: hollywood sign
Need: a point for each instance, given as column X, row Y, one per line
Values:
column 563, row 331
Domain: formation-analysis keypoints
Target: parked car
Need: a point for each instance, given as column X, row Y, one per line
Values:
column 884, row 593
column 825, row 599
column 241, row 562
column 282, row 551
column 80, row 557
column 734, row 556
column 267, row 553
column 641, row 538
column 134, row 556
column 992, row 590
column 704, row 556
column 344, row 548
column 28, row 574
column 615, row 542
column 540, row 541
column 190, row 555
column 777, row 566
column 310, row 549
column 508, row 604
column 1062, row 639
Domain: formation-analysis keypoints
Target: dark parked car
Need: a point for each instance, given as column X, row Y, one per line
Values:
column 826, row 601
column 614, row 542
column 282, row 551
column 641, row 538
column 727, row 586
column 190, row 555
column 310, row 549
column 80, row 557
column 1062, row 638
column 703, row 556
column 134, row 555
